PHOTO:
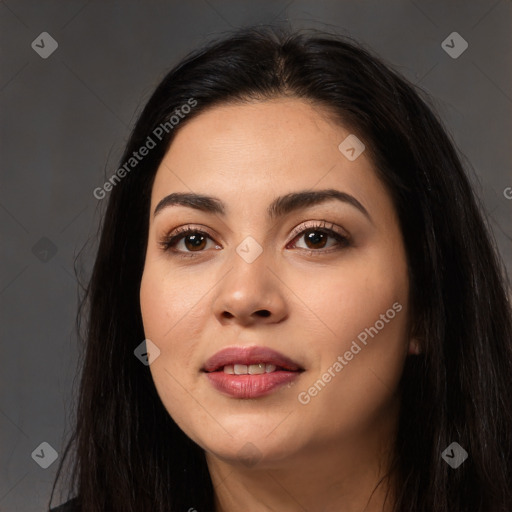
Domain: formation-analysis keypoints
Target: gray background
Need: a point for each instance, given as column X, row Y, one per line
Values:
column 65, row 120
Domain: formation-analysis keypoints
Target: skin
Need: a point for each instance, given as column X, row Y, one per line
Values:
column 329, row 454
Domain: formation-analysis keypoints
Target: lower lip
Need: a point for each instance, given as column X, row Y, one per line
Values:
column 250, row 386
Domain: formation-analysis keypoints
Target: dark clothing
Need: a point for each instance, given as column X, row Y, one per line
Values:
column 70, row 506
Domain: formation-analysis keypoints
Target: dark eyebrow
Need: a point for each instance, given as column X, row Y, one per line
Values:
column 279, row 207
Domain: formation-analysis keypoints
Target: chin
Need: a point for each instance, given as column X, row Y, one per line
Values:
column 252, row 453
column 260, row 443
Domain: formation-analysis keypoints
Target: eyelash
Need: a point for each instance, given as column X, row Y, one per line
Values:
column 169, row 241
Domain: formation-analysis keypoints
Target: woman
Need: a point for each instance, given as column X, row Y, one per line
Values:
column 296, row 304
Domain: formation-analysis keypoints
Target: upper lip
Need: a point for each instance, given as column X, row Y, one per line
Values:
column 249, row 355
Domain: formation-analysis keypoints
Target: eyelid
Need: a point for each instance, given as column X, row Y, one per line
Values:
column 176, row 235
column 168, row 241
column 318, row 224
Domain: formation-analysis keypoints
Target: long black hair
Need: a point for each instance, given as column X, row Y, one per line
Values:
column 129, row 455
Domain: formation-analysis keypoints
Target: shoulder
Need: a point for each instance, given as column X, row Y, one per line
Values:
column 70, row 506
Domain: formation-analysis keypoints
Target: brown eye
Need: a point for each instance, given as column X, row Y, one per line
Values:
column 191, row 240
column 194, row 242
column 187, row 241
column 317, row 238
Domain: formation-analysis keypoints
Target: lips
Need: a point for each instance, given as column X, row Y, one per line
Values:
column 250, row 372
column 247, row 356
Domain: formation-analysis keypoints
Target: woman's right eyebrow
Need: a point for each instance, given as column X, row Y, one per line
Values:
column 279, row 207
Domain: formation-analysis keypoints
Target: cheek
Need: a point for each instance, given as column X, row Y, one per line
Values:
column 348, row 298
column 364, row 314
column 166, row 317
column 167, row 308
column 168, row 301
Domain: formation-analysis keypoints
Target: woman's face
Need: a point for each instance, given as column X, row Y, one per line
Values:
column 309, row 297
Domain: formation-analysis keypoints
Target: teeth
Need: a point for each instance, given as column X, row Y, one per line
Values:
column 252, row 369
column 240, row 369
column 256, row 369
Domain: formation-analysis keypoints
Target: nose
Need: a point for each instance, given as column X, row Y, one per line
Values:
column 250, row 293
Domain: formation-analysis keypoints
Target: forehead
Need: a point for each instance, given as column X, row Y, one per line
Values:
column 260, row 149
column 254, row 132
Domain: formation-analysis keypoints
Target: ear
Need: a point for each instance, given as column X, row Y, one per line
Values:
column 414, row 347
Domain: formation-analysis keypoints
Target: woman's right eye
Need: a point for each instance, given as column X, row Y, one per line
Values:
column 194, row 240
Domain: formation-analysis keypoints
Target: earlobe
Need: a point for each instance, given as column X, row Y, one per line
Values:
column 414, row 347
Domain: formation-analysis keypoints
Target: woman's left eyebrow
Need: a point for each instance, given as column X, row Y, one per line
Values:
column 279, row 207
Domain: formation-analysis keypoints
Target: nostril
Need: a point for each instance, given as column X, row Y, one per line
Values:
column 264, row 312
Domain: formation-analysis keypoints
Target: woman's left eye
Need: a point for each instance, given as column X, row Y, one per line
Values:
column 316, row 239
column 195, row 240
